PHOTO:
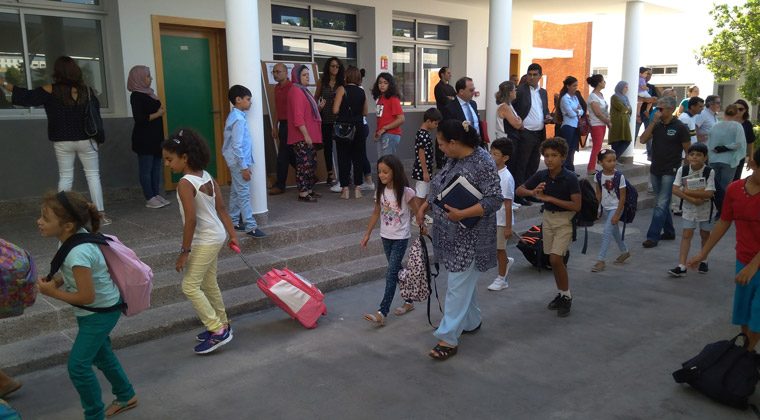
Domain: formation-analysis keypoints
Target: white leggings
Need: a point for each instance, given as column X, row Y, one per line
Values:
column 87, row 151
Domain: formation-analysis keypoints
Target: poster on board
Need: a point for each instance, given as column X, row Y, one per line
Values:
column 269, row 84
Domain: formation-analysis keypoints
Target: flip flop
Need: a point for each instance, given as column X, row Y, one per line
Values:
column 13, row 387
column 378, row 319
column 118, row 407
column 403, row 310
column 441, row 353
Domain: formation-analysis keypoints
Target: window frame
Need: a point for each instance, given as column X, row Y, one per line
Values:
column 39, row 8
column 419, row 44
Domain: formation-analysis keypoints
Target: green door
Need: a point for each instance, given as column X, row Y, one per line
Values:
column 187, row 85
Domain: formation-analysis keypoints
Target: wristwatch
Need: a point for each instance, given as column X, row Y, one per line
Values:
column 184, row 250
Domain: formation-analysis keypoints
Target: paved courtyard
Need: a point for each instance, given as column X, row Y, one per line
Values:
column 630, row 327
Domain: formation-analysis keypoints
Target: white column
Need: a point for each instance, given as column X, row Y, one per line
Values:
column 634, row 13
column 499, row 44
column 244, row 64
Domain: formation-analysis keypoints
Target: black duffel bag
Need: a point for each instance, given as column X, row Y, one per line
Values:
column 723, row 371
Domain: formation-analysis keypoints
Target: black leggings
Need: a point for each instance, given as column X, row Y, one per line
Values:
column 351, row 155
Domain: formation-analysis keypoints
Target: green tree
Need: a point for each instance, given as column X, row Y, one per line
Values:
column 734, row 52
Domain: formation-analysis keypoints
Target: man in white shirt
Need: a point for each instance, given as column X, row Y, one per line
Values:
column 532, row 106
column 706, row 119
column 689, row 117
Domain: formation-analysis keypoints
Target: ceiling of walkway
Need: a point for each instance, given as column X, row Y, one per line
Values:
column 564, row 7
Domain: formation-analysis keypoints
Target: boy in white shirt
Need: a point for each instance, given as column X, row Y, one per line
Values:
column 695, row 185
column 501, row 150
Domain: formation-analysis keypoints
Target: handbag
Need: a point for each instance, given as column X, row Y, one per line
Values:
column 344, row 132
column 584, row 125
column 723, row 371
column 93, row 123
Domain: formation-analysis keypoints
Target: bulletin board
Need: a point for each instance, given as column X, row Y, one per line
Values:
column 269, row 84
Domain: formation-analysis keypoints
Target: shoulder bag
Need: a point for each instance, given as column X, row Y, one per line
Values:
column 344, row 132
column 93, row 123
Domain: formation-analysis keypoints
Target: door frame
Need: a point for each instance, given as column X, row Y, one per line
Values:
column 219, row 77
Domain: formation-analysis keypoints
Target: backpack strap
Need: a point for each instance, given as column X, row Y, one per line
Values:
column 706, row 171
column 431, row 277
column 66, row 247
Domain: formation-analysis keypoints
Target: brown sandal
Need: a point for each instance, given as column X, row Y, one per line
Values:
column 118, row 407
column 442, row 353
column 12, row 387
column 403, row 310
column 378, row 319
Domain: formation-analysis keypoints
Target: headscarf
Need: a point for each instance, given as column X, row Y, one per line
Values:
column 619, row 93
column 295, row 77
column 136, row 81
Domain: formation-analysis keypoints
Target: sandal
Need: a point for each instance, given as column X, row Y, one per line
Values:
column 307, row 198
column 403, row 310
column 12, row 387
column 118, row 407
column 378, row 319
column 440, row 352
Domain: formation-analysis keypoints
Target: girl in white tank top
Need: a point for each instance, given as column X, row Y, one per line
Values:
column 206, row 225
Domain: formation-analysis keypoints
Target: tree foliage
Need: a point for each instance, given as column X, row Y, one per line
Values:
column 734, row 52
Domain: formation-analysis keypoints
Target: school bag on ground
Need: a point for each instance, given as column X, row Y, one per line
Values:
column 723, row 371
column 132, row 277
column 414, row 281
column 295, row 295
column 631, row 198
column 589, row 210
column 18, row 275
column 706, row 171
column 531, row 245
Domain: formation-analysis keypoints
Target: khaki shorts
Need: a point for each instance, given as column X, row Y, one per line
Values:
column 557, row 231
column 501, row 243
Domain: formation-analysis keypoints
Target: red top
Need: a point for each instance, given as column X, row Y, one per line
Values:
column 281, row 99
column 387, row 111
column 744, row 209
column 300, row 113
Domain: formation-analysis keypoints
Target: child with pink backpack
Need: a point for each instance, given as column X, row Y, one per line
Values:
column 86, row 283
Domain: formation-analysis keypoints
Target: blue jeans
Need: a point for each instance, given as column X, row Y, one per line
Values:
column 150, row 174
column 662, row 221
column 394, row 252
column 93, row 347
column 724, row 174
column 610, row 231
column 461, row 311
column 240, row 201
column 572, row 136
column 389, row 144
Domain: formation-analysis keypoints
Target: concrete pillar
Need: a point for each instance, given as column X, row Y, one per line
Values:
column 499, row 44
column 634, row 14
column 244, row 64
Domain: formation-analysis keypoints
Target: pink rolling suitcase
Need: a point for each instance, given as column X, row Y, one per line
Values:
column 294, row 294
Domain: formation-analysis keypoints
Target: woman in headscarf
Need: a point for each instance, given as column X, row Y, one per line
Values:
column 620, row 119
column 304, row 130
column 147, row 134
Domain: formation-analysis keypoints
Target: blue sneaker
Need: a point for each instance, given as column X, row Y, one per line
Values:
column 214, row 342
column 205, row 335
column 256, row 233
column 240, row 228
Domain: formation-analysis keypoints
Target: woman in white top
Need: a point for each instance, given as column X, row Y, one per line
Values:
column 598, row 116
column 508, row 123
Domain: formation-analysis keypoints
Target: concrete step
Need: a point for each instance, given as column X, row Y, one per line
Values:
column 54, row 315
column 52, row 348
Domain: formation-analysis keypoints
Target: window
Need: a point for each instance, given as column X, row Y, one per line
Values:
column 599, row 70
column 420, row 49
column 304, row 34
column 31, row 41
column 670, row 70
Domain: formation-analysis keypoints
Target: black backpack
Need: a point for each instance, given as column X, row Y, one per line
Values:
column 531, row 244
column 706, row 171
column 723, row 371
column 589, row 210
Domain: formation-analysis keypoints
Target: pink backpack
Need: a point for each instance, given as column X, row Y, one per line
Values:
column 133, row 277
column 18, row 276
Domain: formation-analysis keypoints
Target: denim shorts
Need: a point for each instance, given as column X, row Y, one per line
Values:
column 705, row 225
column 747, row 302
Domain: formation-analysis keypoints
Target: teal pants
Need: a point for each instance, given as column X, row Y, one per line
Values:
column 93, row 347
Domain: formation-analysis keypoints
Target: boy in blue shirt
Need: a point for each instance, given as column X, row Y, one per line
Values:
column 558, row 189
column 238, row 153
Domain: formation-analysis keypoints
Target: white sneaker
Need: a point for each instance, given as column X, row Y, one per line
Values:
column 163, row 200
column 498, row 284
column 336, row 188
column 154, row 203
column 367, row 186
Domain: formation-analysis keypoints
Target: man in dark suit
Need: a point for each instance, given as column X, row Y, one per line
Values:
column 532, row 105
column 463, row 108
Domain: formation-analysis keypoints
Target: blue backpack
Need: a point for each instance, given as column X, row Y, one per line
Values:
column 631, row 197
